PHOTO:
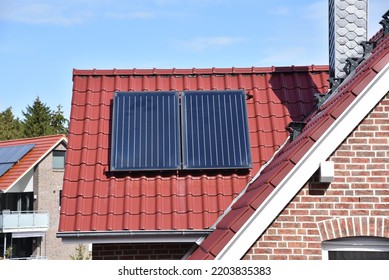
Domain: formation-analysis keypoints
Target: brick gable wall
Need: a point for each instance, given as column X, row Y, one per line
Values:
column 355, row 204
column 141, row 251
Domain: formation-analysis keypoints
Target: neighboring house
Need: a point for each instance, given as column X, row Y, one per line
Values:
column 31, row 177
column 325, row 194
column 163, row 213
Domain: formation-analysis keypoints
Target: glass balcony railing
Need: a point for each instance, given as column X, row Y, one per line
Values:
column 11, row 221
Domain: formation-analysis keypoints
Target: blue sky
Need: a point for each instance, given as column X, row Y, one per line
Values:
column 42, row 41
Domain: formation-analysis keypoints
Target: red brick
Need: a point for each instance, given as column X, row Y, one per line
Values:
column 278, row 257
column 359, row 212
column 381, row 206
column 272, row 238
column 297, row 257
column 378, row 140
column 349, row 199
column 259, row 257
column 368, row 199
column 283, row 251
column 311, row 252
column 382, row 134
column 286, row 231
column 314, row 258
column 368, row 127
column 262, row 251
column 357, row 141
column 297, row 244
column 329, row 199
column 339, row 212
column 345, row 154
column 263, row 244
column 360, row 160
column 365, row 154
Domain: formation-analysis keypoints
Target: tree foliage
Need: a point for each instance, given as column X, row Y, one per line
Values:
column 10, row 127
column 39, row 120
column 81, row 253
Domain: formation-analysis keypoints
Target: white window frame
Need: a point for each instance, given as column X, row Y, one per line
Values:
column 56, row 158
column 362, row 243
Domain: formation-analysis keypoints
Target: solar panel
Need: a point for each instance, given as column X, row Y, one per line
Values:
column 215, row 130
column 10, row 155
column 145, row 132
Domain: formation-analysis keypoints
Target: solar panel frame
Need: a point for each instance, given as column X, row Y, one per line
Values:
column 145, row 131
column 210, row 120
column 9, row 155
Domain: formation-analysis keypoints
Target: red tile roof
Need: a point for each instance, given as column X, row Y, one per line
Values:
column 96, row 200
column 43, row 145
column 293, row 151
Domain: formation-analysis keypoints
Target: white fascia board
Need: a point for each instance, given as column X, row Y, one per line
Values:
column 63, row 139
column 305, row 168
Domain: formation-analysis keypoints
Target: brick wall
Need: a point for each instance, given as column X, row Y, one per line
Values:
column 47, row 185
column 355, row 204
column 141, row 251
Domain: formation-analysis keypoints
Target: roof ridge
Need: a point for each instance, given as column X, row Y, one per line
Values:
column 199, row 71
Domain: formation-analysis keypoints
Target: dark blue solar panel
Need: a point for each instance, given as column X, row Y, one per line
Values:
column 12, row 154
column 215, row 130
column 145, row 132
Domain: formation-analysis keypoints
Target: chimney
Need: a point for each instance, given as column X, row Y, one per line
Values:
column 347, row 30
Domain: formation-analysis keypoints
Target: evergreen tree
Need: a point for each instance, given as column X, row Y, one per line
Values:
column 10, row 127
column 58, row 121
column 37, row 120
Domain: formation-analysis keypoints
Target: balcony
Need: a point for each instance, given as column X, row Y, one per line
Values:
column 14, row 221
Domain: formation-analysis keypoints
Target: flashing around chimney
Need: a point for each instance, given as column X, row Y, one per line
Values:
column 385, row 22
column 295, row 128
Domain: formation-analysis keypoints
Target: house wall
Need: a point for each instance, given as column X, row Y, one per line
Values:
column 141, row 251
column 355, row 204
column 47, row 186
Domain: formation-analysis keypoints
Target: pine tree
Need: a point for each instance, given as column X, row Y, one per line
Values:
column 37, row 120
column 58, row 121
column 10, row 127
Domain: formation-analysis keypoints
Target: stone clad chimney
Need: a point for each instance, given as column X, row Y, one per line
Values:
column 347, row 30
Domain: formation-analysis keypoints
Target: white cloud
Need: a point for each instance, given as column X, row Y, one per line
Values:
column 202, row 43
column 71, row 12
column 43, row 12
column 130, row 15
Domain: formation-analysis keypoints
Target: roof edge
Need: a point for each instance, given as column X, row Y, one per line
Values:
column 134, row 236
column 256, row 225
